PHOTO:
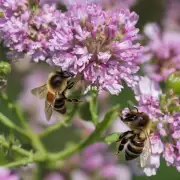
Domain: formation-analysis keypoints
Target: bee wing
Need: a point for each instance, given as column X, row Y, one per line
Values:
column 48, row 110
column 146, row 154
column 40, row 92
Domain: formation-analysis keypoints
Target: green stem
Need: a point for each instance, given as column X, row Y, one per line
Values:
column 20, row 116
column 93, row 108
column 39, row 175
column 28, row 133
column 19, row 163
column 8, row 123
column 37, row 144
column 36, row 158
column 61, row 123
column 14, row 148
column 35, row 139
column 101, row 127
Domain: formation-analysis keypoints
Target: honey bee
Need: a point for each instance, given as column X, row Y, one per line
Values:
column 54, row 92
column 136, row 142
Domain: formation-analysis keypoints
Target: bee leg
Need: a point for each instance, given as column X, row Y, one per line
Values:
column 73, row 100
column 70, row 85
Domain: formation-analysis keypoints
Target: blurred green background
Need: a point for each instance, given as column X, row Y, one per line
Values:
column 149, row 11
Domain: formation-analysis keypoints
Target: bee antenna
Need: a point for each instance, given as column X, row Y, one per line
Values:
column 136, row 109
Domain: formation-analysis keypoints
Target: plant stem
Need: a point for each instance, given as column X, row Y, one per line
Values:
column 37, row 144
column 101, row 127
column 35, row 139
column 39, row 175
column 20, row 116
column 8, row 123
column 31, row 159
column 14, row 148
column 93, row 108
column 19, row 163
column 59, row 124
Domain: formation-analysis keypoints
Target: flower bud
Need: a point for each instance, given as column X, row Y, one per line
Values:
column 173, row 82
column 5, row 68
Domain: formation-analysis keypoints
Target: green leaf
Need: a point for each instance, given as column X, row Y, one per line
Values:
column 111, row 138
column 93, row 108
column 173, row 82
column 8, row 123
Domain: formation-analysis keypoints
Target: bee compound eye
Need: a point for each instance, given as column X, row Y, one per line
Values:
column 142, row 121
column 55, row 81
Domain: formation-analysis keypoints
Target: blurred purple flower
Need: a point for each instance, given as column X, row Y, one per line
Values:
column 54, row 176
column 97, row 161
column 106, row 4
column 117, row 4
column 96, row 157
column 116, row 172
column 163, row 52
column 172, row 16
column 78, row 175
column 6, row 174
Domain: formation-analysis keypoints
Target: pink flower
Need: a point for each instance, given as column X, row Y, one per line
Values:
column 164, row 53
column 147, row 93
column 5, row 174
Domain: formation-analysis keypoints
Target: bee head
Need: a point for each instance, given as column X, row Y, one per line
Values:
column 56, row 80
column 137, row 119
column 141, row 120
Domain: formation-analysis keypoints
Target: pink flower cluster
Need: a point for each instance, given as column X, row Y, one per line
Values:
column 99, row 45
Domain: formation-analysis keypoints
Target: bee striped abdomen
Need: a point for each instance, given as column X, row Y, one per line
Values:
column 130, row 156
column 134, row 148
column 138, row 143
column 59, row 105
